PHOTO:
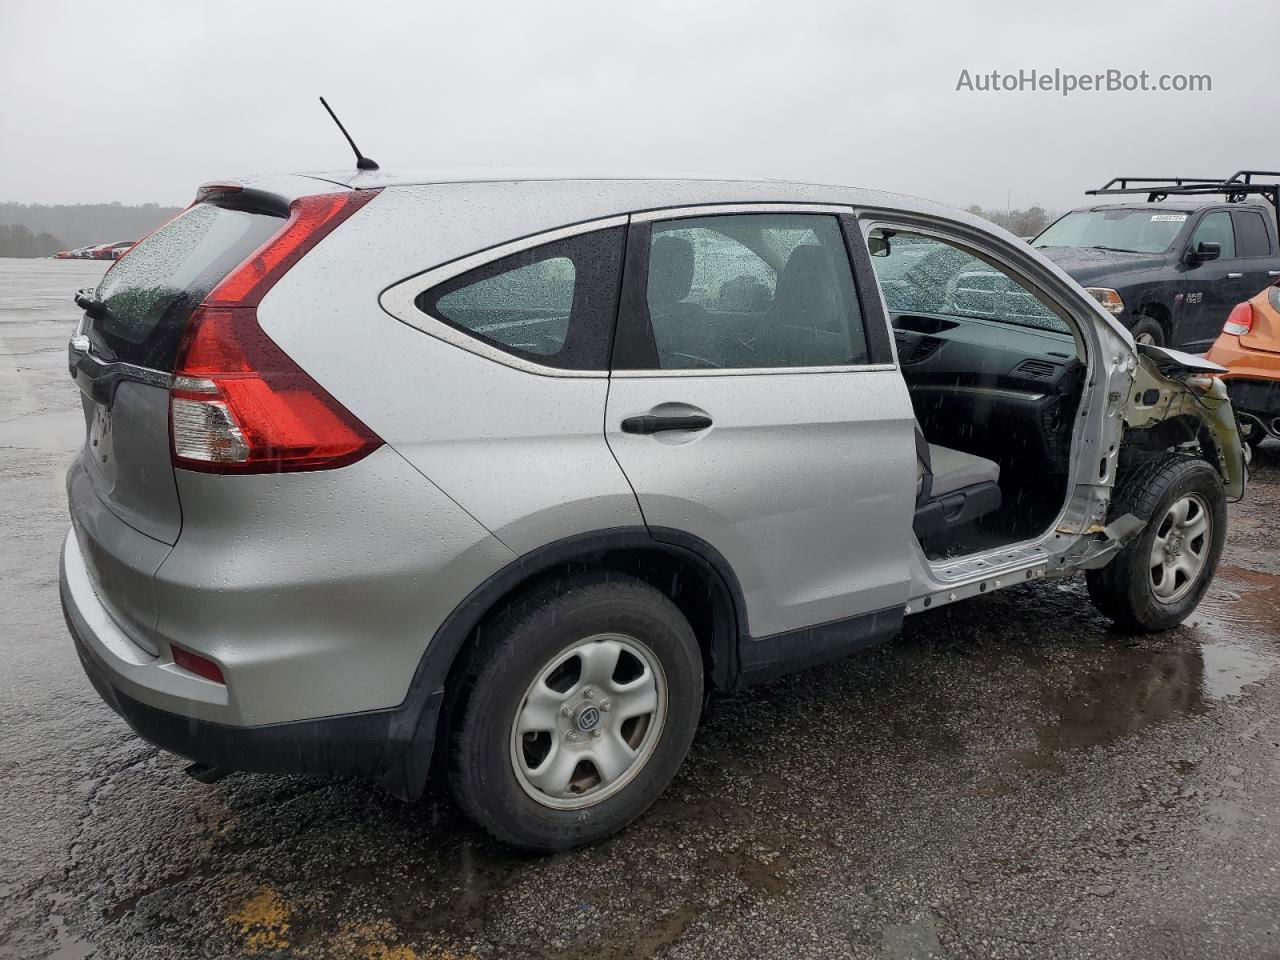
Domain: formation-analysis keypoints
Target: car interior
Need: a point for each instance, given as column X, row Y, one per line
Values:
column 995, row 377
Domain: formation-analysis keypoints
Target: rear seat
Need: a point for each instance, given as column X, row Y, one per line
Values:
column 954, row 487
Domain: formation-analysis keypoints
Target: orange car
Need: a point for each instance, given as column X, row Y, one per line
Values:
column 1249, row 347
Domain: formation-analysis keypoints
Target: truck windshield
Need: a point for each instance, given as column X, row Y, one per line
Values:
column 1122, row 230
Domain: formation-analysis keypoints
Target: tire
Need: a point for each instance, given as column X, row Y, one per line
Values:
column 1149, row 328
column 1251, row 432
column 510, row 781
column 1129, row 589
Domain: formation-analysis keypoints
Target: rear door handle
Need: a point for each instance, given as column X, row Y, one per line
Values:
column 1234, row 276
column 652, row 424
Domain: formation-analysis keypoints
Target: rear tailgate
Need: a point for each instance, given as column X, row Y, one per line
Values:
column 124, row 498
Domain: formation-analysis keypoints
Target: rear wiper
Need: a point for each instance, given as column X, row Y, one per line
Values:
column 90, row 304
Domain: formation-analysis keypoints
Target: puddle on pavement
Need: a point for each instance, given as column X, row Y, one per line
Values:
column 1106, row 693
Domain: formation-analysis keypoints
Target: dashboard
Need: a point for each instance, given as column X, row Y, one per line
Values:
column 995, row 389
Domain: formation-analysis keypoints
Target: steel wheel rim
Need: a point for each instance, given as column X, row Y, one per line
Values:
column 1147, row 338
column 589, row 721
column 1180, row 550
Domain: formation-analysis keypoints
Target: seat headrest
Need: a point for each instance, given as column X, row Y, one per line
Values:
column 807, row 281
column 670, row 270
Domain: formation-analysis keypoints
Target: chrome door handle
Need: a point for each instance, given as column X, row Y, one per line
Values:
column 1234, row 276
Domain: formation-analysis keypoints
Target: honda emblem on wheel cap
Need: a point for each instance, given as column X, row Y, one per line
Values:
column 588, row 718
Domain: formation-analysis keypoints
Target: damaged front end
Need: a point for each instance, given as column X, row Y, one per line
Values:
column 1179, row 400
column 1175, row 401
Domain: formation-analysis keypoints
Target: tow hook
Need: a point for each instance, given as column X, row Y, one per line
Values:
column 205, row 773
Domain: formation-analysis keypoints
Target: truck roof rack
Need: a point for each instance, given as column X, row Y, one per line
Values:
column 1235, row 188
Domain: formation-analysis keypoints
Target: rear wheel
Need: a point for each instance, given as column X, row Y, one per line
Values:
column 1158, row 579
column 575, row 712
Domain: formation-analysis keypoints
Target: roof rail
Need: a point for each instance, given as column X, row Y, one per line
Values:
column 1236, row 188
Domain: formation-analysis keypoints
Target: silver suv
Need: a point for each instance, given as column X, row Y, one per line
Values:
column 513, row 473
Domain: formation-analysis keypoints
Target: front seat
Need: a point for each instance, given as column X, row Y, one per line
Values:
column 953, row 487
column 807, row 321
column 680, row 329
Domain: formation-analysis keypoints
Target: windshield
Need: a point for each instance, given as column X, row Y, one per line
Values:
column 921, row 274
column 1123, row 230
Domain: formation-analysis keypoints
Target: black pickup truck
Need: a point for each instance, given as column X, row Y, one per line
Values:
column 1172, row 269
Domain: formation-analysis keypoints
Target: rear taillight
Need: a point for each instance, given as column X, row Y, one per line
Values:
column 238, row 403
column 1239, row 320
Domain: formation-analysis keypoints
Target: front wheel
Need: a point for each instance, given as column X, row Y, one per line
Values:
column 1148, row 330
column 578, row 705
column 1158, row 578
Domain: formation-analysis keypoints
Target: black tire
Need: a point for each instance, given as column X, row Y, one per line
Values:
column 1123, row 589
column 512, row 648
column 1145, row 326
column 1251, row 432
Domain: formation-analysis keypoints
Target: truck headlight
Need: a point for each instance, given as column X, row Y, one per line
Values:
column 1109, row 299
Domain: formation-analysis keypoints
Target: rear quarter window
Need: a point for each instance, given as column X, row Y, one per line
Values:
column 553, row 304
column 150, row 294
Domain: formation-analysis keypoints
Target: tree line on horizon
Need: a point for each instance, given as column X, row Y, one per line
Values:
column 1021, row 223
column 17, row 240
column 41, row 230
column 78, row 224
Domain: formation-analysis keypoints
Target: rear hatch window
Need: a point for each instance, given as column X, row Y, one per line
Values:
column 149, row 295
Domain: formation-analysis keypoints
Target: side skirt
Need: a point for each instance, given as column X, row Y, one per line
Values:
column 767, row 658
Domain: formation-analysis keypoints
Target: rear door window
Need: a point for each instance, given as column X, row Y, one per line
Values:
column 748, row 291
column 552, row 304
column 1251, row 234
column 150, row 294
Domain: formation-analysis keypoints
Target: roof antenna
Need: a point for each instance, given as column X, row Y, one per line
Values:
column 362, row 162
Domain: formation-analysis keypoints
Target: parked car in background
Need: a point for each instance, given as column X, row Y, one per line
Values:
column 1171, row 269
column 1249, row 347
column 379, row 468
column 119, row 249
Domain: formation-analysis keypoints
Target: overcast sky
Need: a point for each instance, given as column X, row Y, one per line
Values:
column 137, row 101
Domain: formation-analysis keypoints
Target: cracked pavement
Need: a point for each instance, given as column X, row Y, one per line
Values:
column 1009, row 778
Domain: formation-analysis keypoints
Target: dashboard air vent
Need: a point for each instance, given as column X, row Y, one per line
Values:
column 921, row 349
column 1036, row 369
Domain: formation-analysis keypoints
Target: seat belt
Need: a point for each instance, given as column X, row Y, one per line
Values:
column 926, row 465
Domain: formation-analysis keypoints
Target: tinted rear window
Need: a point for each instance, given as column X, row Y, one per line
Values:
column 150, row 293
column 1251, row 234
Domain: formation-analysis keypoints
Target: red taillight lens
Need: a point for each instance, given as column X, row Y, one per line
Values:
column 1239, row 320
column 310, row 220
column 200, row 666
column 238, row 403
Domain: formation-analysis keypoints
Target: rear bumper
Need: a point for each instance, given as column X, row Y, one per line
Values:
column 393, row 746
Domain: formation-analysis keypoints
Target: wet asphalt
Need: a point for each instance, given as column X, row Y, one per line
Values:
column 1009, row 778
